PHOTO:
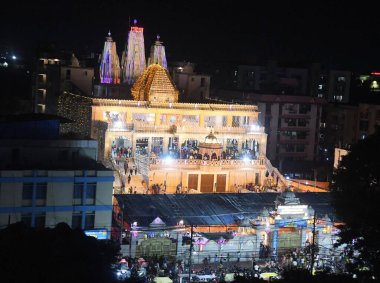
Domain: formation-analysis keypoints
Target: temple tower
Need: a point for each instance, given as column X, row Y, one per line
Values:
column 133, row 58
column 110, row 65
column 157, row 54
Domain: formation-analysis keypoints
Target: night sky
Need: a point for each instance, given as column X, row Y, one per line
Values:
column 293, row 32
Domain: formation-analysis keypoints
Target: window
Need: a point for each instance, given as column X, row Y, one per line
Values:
column 300, row 148
column 302, row 122
column 91, row 190
column 78, row 194
column 89, row 220
column 301, row 135
column 76, row 220
column 41, row 189
column 304, row 108
column 290, row 122
column 27, row 191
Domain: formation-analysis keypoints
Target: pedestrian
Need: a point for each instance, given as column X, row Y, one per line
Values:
column 129, row 179
column 131, row 171
column 135, row 171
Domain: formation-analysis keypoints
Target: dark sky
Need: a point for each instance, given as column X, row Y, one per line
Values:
column 294, row 32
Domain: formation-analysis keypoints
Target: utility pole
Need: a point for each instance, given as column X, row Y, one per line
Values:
column 313, row 246
column 191, row 251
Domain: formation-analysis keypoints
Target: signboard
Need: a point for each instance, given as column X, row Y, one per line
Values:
column 98, row 234
column 291, row 223
column 291, row 209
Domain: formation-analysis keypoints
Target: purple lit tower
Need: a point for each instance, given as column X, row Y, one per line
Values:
column 133, row 59
column 110, row 65
column 157, row 54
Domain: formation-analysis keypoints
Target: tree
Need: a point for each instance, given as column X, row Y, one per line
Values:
column 53, row 255
column 356, row 198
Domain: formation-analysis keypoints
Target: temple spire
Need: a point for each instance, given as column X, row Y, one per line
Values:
column 133, row 57
column 157, row 54
column 110, row 65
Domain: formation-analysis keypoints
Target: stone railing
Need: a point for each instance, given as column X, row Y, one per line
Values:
column 282, row 182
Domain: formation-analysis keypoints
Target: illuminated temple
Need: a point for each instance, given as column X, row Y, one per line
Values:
column 200, row 147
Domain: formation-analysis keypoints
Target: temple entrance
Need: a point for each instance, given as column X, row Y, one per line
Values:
column 207, row 183
column 192, row 181
column 288, row 239
column 221, row 183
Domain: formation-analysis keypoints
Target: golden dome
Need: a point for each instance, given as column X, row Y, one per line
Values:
column 155, row 84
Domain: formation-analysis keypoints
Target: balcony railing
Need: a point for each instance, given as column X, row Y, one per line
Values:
column 156, row 163
column 188, row 129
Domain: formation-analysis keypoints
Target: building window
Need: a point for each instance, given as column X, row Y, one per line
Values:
column 27, row 194
column 90, row 193
column 304, row 108
column 300, row 148
column 89, row 220
column 78, row 194
column 76, row 220
column 41, row 189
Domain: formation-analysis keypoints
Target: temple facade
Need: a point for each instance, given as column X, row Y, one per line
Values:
column 191, row 147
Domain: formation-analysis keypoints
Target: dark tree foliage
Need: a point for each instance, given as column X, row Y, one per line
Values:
column 356, row 198
column 53, row 255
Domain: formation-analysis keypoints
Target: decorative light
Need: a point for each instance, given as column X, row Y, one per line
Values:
column 180, row 223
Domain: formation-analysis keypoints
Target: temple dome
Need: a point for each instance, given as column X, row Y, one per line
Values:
column 155, row 84
column 210, row 138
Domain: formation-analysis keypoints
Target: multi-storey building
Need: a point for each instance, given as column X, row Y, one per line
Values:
column 52, row 75
column 192, row 86
column 46, row 179
column 292, row 124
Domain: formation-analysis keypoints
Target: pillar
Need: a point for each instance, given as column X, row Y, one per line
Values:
column 157, row 119
column 133, row 145
column 199, row 182
column 201, row 120
column 229, row 120
column 165, row 144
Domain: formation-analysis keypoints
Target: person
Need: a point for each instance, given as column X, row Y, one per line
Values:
column 135, row 170
column 129, row 179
